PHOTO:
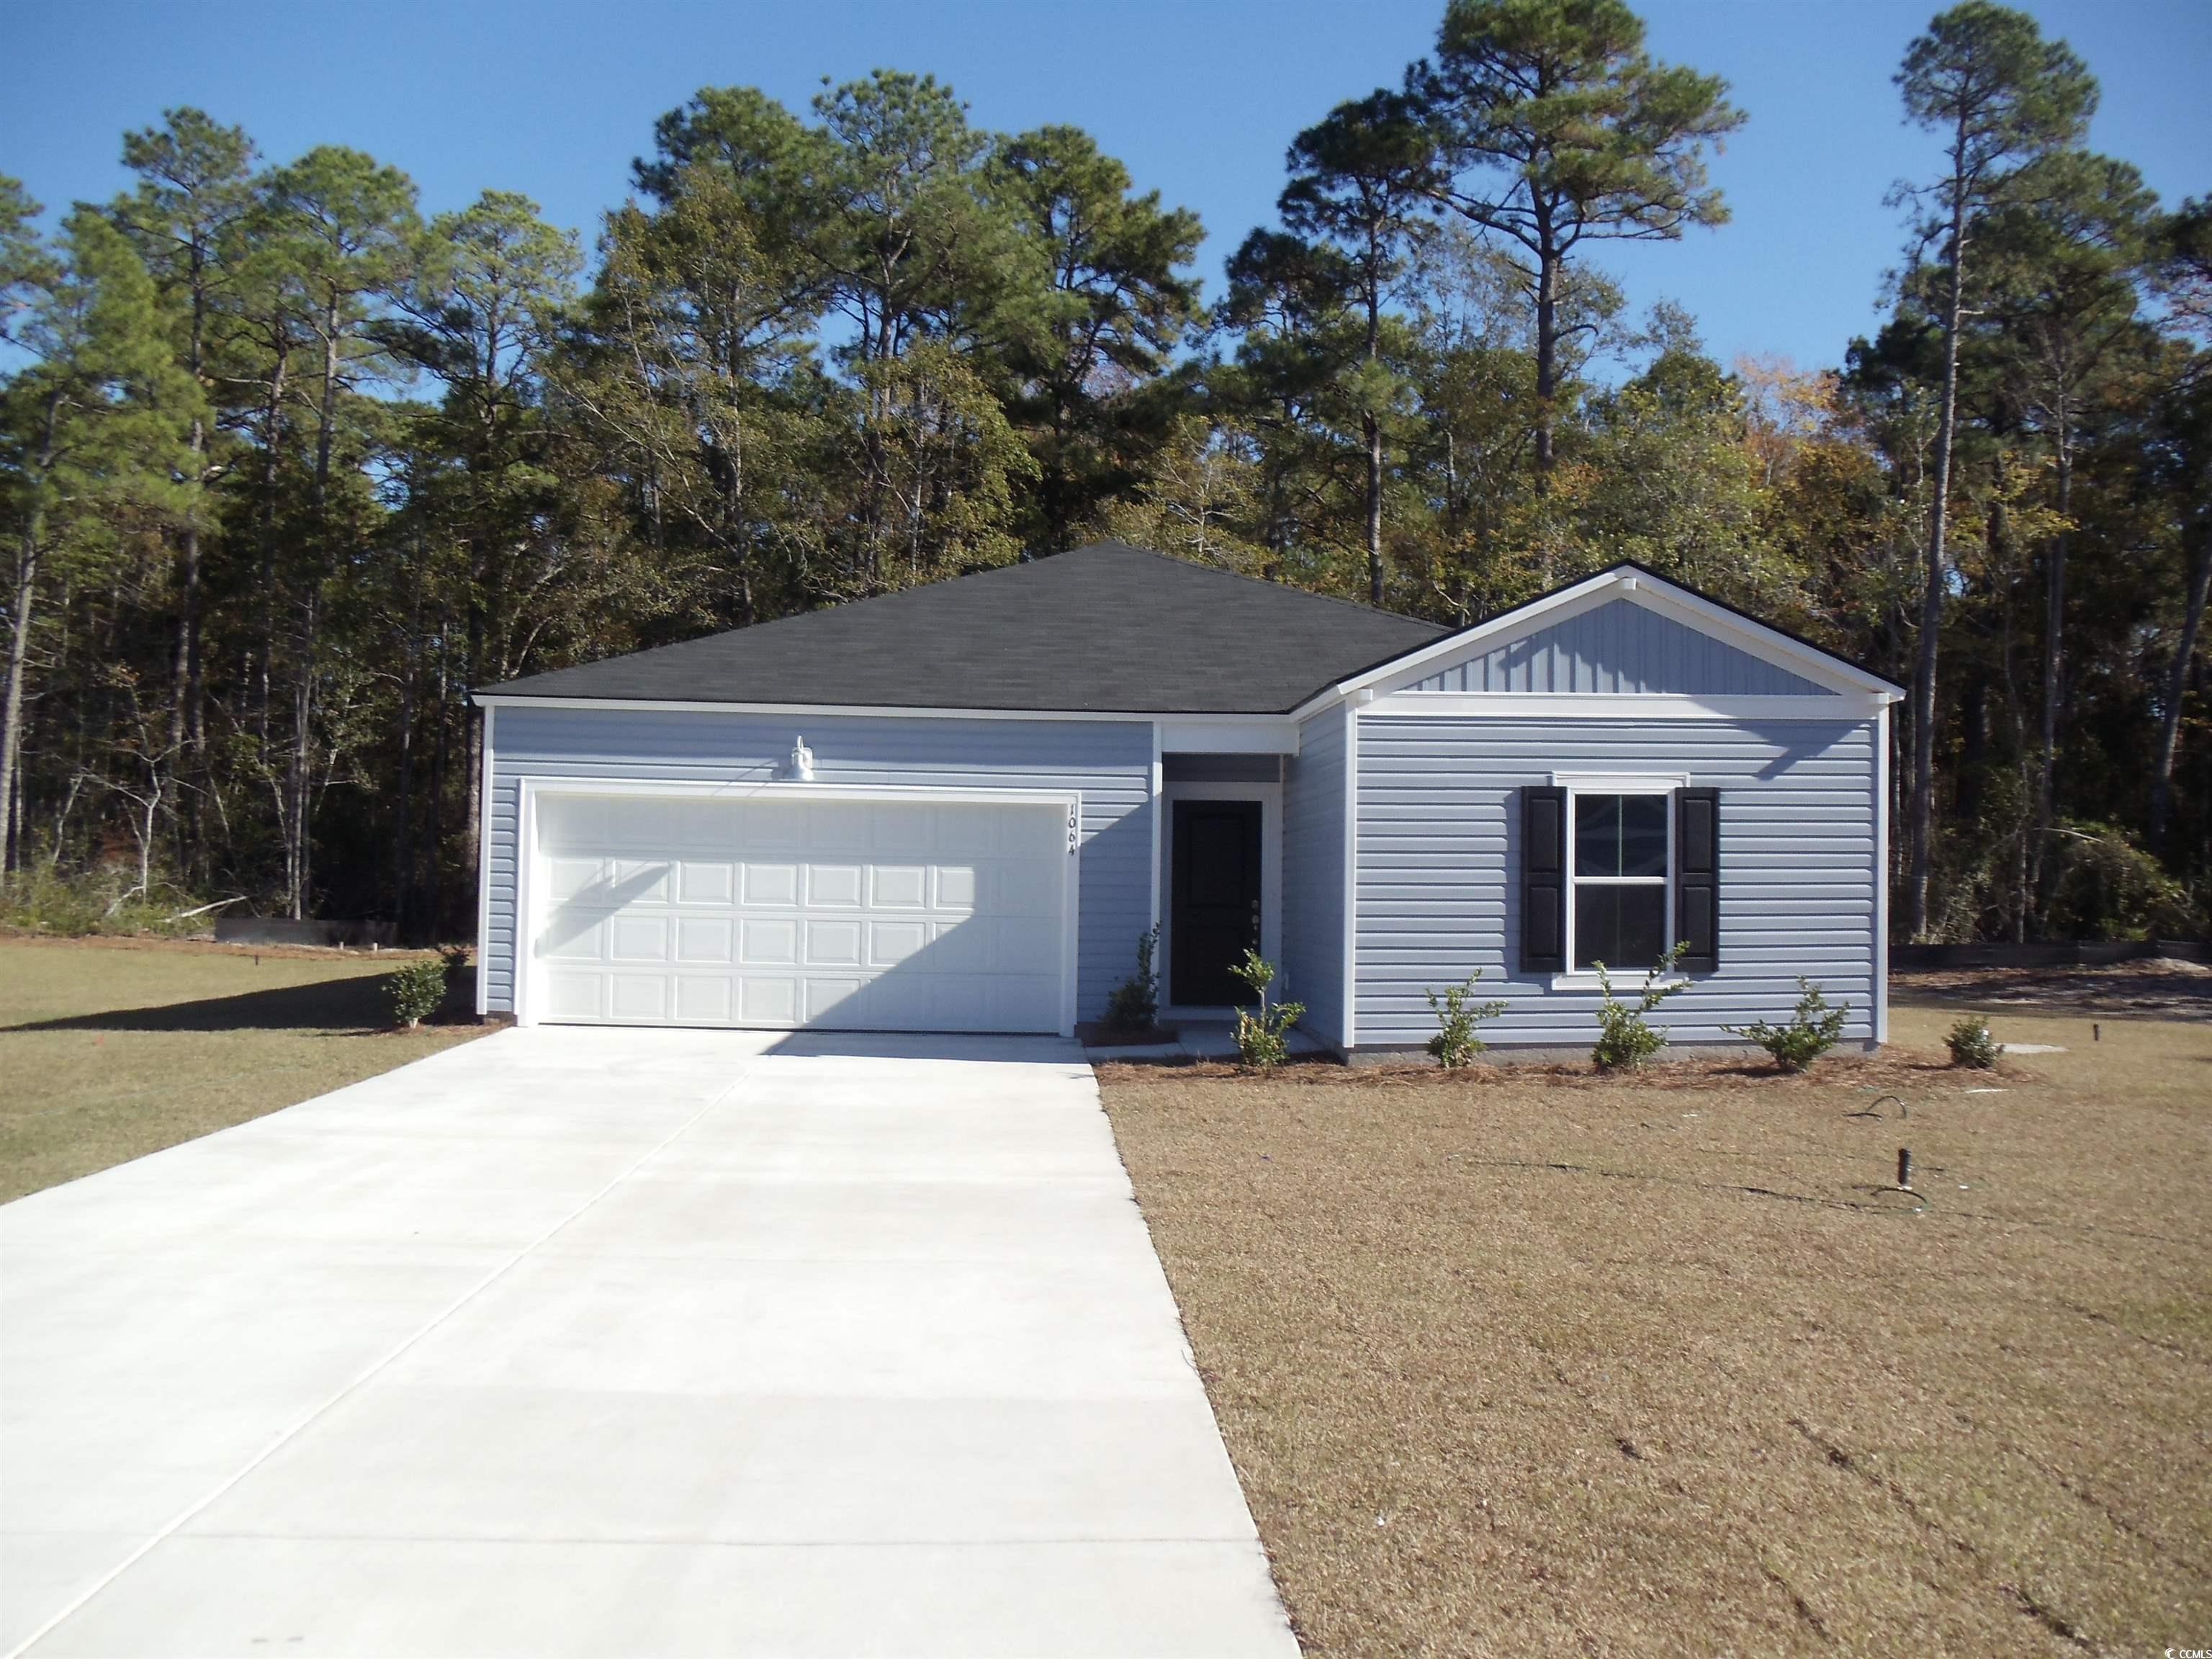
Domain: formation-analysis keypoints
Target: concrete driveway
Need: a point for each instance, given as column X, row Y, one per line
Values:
column 578, row 1341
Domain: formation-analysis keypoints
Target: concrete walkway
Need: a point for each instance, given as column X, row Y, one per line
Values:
column 574, row 1342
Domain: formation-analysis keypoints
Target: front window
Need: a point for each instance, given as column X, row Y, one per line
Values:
column 1618, row 903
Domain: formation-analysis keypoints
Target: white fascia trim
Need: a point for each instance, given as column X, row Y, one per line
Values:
column 484, row 875
column 1654, row 593
column 1851, row 708
column 1817, row 665
column 1270, row 724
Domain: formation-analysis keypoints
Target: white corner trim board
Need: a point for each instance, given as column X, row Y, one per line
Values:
column 483, row 866
column 1351, row 876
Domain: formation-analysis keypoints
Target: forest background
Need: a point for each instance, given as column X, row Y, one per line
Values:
column 288, row 465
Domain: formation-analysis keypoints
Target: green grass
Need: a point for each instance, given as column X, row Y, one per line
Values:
column 112, row 1049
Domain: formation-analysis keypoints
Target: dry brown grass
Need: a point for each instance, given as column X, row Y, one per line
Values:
column 1516, row 1364
column 112, row 1048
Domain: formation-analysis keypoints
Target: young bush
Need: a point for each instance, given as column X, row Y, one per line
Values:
column 1813, row 1029
column 1457, row 1014
column 1971, row 1044
column 1135, row 1004
column 1261, row 1038
column 1625, row 1041
column 416, row 990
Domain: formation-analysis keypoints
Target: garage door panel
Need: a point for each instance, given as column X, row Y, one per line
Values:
column 891, row 942
column 570, row 878
column 955, row 885
column 635, row 937
column 575, row 936
column 822, row 998
column 962, row 947
column 574, row 996
column 702, row 1001
column 638, row 996
column 770, row 883
column 785, row 914
column 832, row 944
column 698, row 881
column 898, row 886
column 769, row 941
column 706, row 939
column 767, row 1001
column 1022, row 946
column 1025, row 889
column 833, row 886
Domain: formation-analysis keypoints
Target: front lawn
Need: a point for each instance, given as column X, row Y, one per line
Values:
column 1537, row 1363
column 112, row 1048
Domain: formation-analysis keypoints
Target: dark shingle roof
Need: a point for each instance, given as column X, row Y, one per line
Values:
column 1106, row 628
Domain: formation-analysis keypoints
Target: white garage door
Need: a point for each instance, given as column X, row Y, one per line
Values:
column 781, row 911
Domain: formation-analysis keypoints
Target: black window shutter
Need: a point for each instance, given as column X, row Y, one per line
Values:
column 1698, row 879
column 1543, row 881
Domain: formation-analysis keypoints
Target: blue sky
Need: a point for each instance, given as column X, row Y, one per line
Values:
column 1198, row 96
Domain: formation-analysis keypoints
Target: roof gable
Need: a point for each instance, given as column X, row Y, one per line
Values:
column 1107, row 629
column 1620, row 647
column 1626, row 631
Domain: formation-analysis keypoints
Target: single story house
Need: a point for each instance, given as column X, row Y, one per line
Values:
column 957, row 808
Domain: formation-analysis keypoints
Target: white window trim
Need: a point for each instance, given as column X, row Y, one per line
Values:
column 529, row 879
column 1612, row 783
column 1270, row 797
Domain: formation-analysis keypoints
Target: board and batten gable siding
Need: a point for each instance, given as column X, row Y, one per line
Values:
column 1313, row 875
column 1620, row 647
column 1109, row 761
column 1438, row 889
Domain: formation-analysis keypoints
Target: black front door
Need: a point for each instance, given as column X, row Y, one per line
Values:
column 1216, row 908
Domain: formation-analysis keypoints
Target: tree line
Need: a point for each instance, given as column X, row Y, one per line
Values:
column 286, row 467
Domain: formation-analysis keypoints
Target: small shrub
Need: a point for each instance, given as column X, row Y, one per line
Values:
column 1625, row 1041
column 1261, row 1038
column 1813, row 1029
column 1135, row 1004
column 1971, row 1044
column 416, row 990
column 1457, row 1014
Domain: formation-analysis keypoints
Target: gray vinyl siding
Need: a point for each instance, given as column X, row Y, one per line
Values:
column 1620, row 646
column 1109, row 761
column 1439, row 879
column 1313, row 875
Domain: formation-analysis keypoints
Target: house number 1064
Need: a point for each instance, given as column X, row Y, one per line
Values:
column 1071, row 832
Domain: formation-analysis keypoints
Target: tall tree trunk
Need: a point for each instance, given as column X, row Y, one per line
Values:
column 11, row 718
column 1921, row 830
column 1372, row 424
column 2054, row 643
column 2169, row 724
